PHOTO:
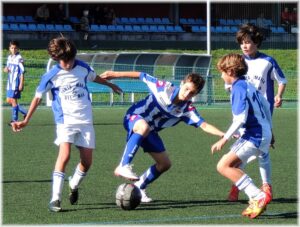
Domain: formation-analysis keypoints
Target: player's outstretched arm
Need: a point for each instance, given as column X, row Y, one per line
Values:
column 109, row 75
column 278, row 97
column 17, row 126
column 211, row 129
column 114, row 87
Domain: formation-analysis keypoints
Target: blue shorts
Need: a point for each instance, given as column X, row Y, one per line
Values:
column 16, row 94
column 152, row 143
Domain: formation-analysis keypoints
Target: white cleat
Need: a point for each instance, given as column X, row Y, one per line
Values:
column 145, row 198
column 126, row 172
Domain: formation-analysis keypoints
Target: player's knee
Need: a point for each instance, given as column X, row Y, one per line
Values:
column 164, row 166
column 220, row 167
column 142, row 128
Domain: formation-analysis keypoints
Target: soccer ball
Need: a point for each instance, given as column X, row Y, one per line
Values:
column 128, row 196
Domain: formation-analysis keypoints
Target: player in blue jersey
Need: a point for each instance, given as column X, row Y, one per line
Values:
column 15, row 80
column 251, row 111
column 164, row 107
column 72, row 108
column 263, row 70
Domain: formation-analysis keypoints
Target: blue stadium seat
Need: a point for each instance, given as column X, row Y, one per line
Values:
column 195, row 28
column 145, row 28
column 41, row 27
column 20, row 19
column 140, row 20
column 50, row 27
column 191, row 21
column 118, row 20
column 119, row 28
column 103, row 28
column 237, row 22
column 149, row 20
column 132, row 20
column 137, row 28
column 128, row 28
column 183, row 21
column 59, row 27
column 153, row 28
column 14, row 27
column 178, row 28
column 32, row 27
column 23, row 27
column 234, row 29
column 161, row 28
column 219, row 29
column 226, row 29
column 4, row 20
column 68, row 28
column 253, row 21
column 29, row 19
column 222, row 21
column 10, row 19
column 165, row 20
column 124, row 20
column 157, row 20
column 5, row 27
column 74, row 20
column 212, row 29
column 199, row 21
column 203, row 29
column 94, row 28
column 111, row 28
column 281, row 30
column 230, row 22
column 170, row 28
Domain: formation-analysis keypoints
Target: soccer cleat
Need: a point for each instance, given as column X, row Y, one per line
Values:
column 54, row 206
column 126, row 172
column 73, row 194
column 267, row 188
column 145, row 198
column 257, row 206
column 233, row 194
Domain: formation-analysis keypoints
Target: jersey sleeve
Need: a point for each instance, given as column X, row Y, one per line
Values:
column 91, row 74
column 46, row 83
column 21, row 65
column 277, row 73
column 192, row 117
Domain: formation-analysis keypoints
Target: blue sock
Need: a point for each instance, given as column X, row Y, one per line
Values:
column 148, row 177
column 14, row 113
column 22, row 110
column 131, row 148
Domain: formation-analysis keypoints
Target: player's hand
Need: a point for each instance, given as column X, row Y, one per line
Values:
column 107, row 75
column 218, row 145
column 6, row 70
column 18, row 125
column 277, row 101
column 272, row 142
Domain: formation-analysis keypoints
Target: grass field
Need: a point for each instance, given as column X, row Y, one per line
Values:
column 191, row 192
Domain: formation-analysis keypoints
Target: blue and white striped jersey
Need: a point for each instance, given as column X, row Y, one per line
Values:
column 16, row 69
column 251, row 111
column 157, row 108
column 71, row 103
column 262, row 71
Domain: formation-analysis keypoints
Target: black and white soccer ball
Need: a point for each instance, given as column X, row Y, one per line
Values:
column 128, row 196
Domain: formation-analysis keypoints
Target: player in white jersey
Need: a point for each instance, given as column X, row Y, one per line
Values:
column 251, row 111
column 15, row 80
column 263, row 70
column 72, row 108
column 164, row 107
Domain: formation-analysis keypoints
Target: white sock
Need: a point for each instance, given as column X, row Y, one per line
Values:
column 77, row 178
column 246, row 184
column 57, row 185
column 265, row 168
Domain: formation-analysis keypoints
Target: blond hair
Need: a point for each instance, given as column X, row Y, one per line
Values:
column 234, row 63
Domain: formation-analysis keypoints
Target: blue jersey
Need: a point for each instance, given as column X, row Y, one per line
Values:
column 262, row 71
column 71, row 102
column 251, row 111
column 157, row 108
column 16, row 69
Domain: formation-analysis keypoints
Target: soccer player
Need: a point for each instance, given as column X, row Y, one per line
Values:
column 164, row 107
column 251, row 111
column 72, row 110
column 263, row 70
column 15, row 80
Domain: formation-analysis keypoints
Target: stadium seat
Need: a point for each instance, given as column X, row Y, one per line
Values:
column 50, row 27
column 195, row 28
column 183, row 21
column 128, row 28
column 222, row 21
column 191, row 21
column 234, row 29
column 226, row 29
column 124, row 20
column 219, row 29
column 281, row 30
column 14, row 27
column 118, row 20
column 94, row 28
column 5, row 27
column 103, row 28
column 74, row 20
column 203, row 29
column 23, row 27
column 59, row 27
column 157, row 21
column 170, row 28
column 20, row 19
column 41, row 27
column 137, row 28
column 29, row 19
column 178, row 28
column 199, row 21
column 161, row 28
column 153, row 28
column 68, row 28
column 140, row 20
column 237, row 22
column 165, row 20
column 119, row 28
column 145, row 28
column 132, row 20
column 149, row 20
column 230, row 22
column 111, row 28
column 10, row 19
column 32, row 27
column 4, row 20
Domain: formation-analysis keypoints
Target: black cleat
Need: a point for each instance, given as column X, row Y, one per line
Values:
column 54, row 206
column 73, row 195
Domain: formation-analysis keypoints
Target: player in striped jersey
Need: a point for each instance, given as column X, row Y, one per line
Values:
column 251, row 111
column 263, row 70
column 164, row 107
column 15, row 80
column 72, row 109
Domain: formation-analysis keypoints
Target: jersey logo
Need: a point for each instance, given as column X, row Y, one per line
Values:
column 191, row 108
column 160, row 83
column 132, row 117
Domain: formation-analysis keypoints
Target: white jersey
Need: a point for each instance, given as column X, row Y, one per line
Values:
column 71, row 102
column 250, row 111
column 262, row 71
column 16, row 69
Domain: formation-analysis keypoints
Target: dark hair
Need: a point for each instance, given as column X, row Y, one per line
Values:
column 233, row 62
column 62, row 48
column 15, row 43
column 251, row 31
column 196, row 79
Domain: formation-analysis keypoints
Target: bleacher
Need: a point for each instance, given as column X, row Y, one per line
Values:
column 134, row 25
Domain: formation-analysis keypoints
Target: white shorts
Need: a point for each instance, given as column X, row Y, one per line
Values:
column 82, row 135
column 245, row 150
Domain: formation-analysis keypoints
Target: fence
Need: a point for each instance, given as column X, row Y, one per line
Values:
column 214, row 94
